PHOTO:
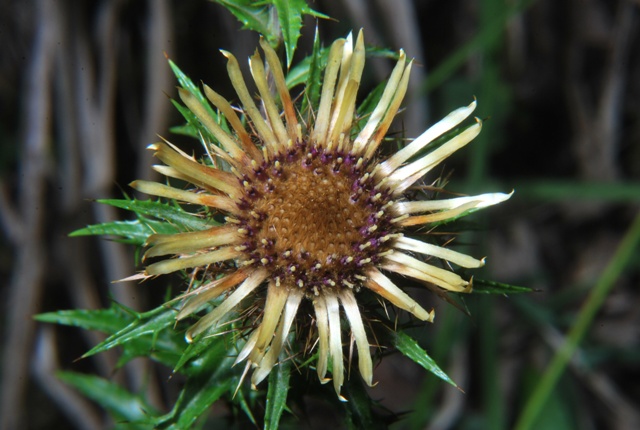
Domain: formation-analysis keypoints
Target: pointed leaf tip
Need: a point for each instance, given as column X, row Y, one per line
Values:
column 410, row 348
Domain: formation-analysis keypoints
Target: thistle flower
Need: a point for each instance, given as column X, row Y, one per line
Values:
column 310, row 212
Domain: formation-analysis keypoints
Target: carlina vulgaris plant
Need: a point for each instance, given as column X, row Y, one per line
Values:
column 311, row 213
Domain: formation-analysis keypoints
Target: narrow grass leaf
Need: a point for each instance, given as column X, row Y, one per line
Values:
column 619, row 261
column 487, row 37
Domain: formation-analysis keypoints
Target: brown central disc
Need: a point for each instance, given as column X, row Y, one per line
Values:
column 309, row 214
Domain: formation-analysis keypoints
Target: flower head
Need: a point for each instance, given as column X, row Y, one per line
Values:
column 311, row 214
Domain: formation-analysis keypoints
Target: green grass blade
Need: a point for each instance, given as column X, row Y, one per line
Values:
column 596, row 298
column 487, row 37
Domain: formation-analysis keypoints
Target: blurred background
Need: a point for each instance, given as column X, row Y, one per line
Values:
column 85, row 87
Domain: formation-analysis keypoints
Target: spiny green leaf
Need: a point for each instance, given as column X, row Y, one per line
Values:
column 105, row 320
column 371, row 100
column 121, row 403
column 491, row 287
column 197, row 396
column 308, row 69
column 277, row 394
column 290, row 19
column 187, row 84
column 256, row 16
column 368, row 105
column 174, row 214
column 261, row 17
column 131, row 232
column 209, row 380
column 185, row 130
column 136, row 232
column 199, row 346
column 147, row 323
column 194, row 127
column 376, row 51
column 300, row 73
column 241, row 399
column 165, row 346
column 359, row 405
column 208, row 340
column 410, row 348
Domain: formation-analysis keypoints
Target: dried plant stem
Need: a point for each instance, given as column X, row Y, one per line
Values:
column 45, row 366
column 26, row 282
column 597, row 123
column 159, row 80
